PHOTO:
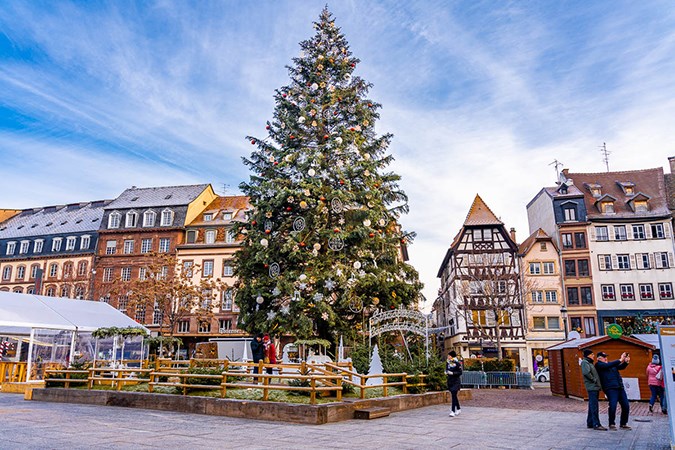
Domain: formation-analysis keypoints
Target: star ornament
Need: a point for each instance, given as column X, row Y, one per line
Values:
column 285, row 310
column 329, row 284
column 271, row 315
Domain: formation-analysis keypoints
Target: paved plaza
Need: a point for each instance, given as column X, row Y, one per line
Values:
column 38, row 425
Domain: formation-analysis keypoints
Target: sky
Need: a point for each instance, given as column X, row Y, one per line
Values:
column 481, row 97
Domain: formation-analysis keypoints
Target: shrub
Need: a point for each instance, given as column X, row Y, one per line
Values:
column 205, row 371
column 489, row 365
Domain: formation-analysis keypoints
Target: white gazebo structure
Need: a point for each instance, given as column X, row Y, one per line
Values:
column 57, row 330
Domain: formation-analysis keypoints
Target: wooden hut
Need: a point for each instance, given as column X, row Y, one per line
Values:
column 565, row 369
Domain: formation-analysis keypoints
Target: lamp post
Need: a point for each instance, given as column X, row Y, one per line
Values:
column 563, row 312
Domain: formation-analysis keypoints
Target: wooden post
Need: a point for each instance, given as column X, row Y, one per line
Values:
column 223, row 387
column 152, row 380
column 260, row 370
column 266, row 382
column 384, row 388
column 303, row 367
column 67, row 383
column 312, row 394
column 90, row 384
column 405, row 386
column 362, row 385
column 339, row 389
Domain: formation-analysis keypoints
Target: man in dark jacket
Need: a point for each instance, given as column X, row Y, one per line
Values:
column 257, row 350
column 612, row 385
column 592, row 383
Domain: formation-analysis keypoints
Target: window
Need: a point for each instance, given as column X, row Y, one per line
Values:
column 30, row 290
column 226, row 300
column 227, row 216
column 575, row 323
column 56, row 244
column 167, row 218
column 553, row 323
column 570, row 214
column 204, row 327
column 142, row 273
column 184, row 326
column 191, row 236
column 23, row 248
column 164, row 272
column 37, row 246
column 146, row 245
column 140, row 314
column 589, row 326
column 132, row 219
column 126, row 273
column 638, row 231
column 149, row 218
column 208, row 217
column 114, row 220
column 661, row 260
column 20, row 272
column 82, row 268
column 7, row 273
column 580, row 240
column 11, row 247
column 535, row 268
column 623, row 262
column 666, row 291
column 627, row 292
column 207, row 268
column 79, row 292
column 157, row 316
column 18, row 290
column 607, row 207
column 230, row 236
column 107, row 274
column 601, row 234
column 567, row 240
column 85, row 242
column 224, row 325
column 51, row 291
column 551, row 297
column 549, row 268
column 501, row 287
column 122, row 302
column 67, row 270
column 657, row 231
column 586, row 295
column 228, row 270
column 542, row 246
column 164, row 245
column 187, row 268
column 605, row 262
column 110, row 247
column 572, row 296
column 641, row 206
column 70, row 243
column 34, row 271
column 53, row 270
column 570, row 268
column 608, row 292
column 537, row 297
column 642, row 260
column 210, row 237
column 480, row 318
column 128, row 247
column 620, row 232
column 582, row 265
column 646, row 292
column 539, row 323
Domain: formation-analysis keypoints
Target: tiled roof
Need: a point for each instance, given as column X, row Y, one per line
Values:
column 236, row 204
column 7, row 213
column 670, row 189
column 157, row 196
column 649, row 182
column 538, row 236
column 480, row 214
column 73, row 218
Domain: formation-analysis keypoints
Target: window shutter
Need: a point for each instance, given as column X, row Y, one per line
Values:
column 601, row 262
column 666, row 229
column 632, row 261
column 489, row 318
column 591, row 233
column 651, row 261
column 671, row 263
column 615, row 262
column 648, row 231
column 610, row 233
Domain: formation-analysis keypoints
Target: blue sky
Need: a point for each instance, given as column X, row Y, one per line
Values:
column 481, row 96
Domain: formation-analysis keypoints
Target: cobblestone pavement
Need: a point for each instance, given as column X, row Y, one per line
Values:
column 38, row 425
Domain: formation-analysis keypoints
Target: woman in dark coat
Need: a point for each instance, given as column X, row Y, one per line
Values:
column 453, row 370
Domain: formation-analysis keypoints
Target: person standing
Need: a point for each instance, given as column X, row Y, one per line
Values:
column 453, row 371
column 257, row 351
column 270, row 352
column 592, row 383
column 656, row 384
column 612, row 385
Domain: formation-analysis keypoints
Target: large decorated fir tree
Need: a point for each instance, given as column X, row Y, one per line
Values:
column 324, row 247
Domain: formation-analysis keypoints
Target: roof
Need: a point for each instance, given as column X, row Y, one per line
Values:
column 157, row 196
column 72, row 218
column 235, row 204
column 8, row 213
column 649, row 182
column 652, row 339
column 481, row 214
column 538, row 236
column 669, row 179
column 26, row 311
column 589, row 342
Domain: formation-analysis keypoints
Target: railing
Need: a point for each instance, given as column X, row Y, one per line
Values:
column 12, row 372
column 349, row 376
column 497, row 379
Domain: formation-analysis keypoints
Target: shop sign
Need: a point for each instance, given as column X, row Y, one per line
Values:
column 614, row 330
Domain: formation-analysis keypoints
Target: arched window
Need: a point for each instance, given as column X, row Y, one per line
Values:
column 20, row 272
column 65, row 291
column 149, row 218
column 79, row 291
column 34, row 271
column 82, row 268
column 50, row 291
column 18, row 290
column 114, row 220
column 67, row 270
column 7, row 273
column 53, row 270
column 30, row 290
column 167, row 218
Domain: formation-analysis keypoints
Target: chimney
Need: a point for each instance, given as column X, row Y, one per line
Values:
column 512, row 232
column 671, row 159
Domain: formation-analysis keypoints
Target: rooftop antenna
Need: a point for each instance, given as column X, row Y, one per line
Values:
column 224, row 188
column 557, row 164
column 605, row 155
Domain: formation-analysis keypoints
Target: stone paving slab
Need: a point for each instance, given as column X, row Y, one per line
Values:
column 41, row 425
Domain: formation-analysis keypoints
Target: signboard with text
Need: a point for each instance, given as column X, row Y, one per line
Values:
column 667, row 343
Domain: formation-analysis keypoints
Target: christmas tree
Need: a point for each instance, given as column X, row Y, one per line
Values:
column 323, row 246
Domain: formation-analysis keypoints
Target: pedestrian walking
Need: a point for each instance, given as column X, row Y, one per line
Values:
column 592, row 384
column 453, row 371
column 612, row 385
column 656, row 384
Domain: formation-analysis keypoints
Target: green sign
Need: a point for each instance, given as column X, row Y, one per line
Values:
column 614, row 330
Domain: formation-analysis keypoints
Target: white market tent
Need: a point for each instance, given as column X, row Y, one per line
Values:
column 26, row 314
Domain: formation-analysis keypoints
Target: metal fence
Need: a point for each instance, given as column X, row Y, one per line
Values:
column 497, row 379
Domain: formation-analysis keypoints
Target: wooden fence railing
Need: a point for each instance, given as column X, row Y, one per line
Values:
column 12, row 372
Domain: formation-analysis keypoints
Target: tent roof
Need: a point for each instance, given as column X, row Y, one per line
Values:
column 38, row 311
column 591, row 341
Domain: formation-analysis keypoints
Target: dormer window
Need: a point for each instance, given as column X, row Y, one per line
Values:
column 208, row 217
column 227, row 216
column 641, row 206
column 595, row 189
column 210, row 236
column 639, row 203
column 167, row 218
column 627, row 187
column 570, row 213
column 191, row 236
column 629, row 190
column 114, row 220
column 607, row 207
column 131, row 220
column 149, row 218
column 25, row 245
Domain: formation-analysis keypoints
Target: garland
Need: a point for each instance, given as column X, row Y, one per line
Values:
column 103, row 333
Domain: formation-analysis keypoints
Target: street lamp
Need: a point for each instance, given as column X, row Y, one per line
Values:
column 563, row 312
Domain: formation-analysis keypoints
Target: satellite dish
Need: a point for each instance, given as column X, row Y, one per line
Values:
column 573, row 335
